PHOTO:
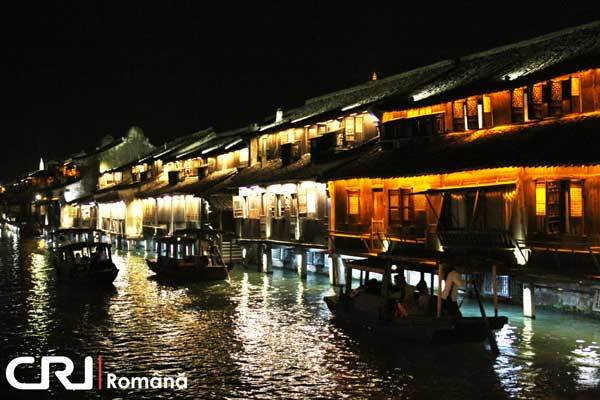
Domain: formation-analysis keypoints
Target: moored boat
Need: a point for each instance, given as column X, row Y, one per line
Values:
column 376, row 312
column 85, row 263
column 190, row 256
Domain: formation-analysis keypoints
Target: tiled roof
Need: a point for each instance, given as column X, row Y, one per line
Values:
column 566, row 141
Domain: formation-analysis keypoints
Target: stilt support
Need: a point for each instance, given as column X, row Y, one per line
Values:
column 529, row 300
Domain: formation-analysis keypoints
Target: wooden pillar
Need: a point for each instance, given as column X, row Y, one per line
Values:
column 432, row 278
column 301, row 263
column 172, row 223
column 267, row 260
column 439, row 292
column 348, row 273
column 298, row 230
column 244, row 256
column 529, row 300
column 334, row 270
column 495, row 289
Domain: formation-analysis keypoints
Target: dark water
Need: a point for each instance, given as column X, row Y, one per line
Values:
column 268, row 337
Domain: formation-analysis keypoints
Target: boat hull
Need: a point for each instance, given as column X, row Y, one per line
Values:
column 70, row 274
column 189, row 274
column 416, row 328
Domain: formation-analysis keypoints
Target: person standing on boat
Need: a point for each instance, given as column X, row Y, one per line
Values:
column 450, row 292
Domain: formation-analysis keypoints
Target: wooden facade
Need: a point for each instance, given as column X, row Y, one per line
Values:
column 450, row 157
column 294, row 211
column 514, row 214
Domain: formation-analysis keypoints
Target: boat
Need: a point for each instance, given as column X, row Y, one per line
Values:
column 189, row 255
column 376, row 313
column 85, row 262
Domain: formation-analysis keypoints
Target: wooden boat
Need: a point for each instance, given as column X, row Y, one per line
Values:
column 375, row 313
column 190, row 256
column 85, row 262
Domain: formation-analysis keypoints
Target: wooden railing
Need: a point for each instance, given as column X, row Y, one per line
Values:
column 495, row 240
column 284, row 229
column 376, row 242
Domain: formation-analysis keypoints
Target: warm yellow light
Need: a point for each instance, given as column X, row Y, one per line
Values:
column 540, row 198
column 311, row 202
column 244, row 155
column 576, row 196
column 575, row 89
column 353, row 206
column 487, row 104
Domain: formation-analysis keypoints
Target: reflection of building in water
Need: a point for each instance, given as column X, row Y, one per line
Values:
column 587, row 360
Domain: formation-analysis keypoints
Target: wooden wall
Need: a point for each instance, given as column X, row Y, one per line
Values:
column 590, row 90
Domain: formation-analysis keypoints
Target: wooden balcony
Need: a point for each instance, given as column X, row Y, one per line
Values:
column 281, row 229
column 573, row 253
column 250, row 229
column 313, row 231
column 480, row 240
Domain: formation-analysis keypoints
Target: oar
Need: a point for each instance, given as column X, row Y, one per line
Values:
column 491, row 336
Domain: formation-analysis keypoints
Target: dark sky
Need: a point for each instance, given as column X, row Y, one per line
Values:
column 72, row 73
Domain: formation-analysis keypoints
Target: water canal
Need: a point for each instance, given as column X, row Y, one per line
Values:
column 264, row 336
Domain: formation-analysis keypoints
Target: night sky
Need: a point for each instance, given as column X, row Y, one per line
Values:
column 72, row 73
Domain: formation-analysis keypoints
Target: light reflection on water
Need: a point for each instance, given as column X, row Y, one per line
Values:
column 265, row 336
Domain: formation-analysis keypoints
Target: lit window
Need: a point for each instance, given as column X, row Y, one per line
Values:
column 311, row 202
column 487, row 104
column 283, row 137
column 472, row 106
column 394, row 205
column 575, row 88
column 517, row 98
column 244, row 156
column 353, row 202
column 349, row 125
column 540, row 198
column 576, row 196
column 458, row 109
column 358, row 124
column 238, row 207
column 556, row 91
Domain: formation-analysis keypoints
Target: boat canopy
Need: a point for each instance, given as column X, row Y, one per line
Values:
column 63, row 231
column 177, row 239
column 393, row 264
column 82, row 245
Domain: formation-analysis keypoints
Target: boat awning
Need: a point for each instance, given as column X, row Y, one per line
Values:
column 488, row 187
column 372, row 264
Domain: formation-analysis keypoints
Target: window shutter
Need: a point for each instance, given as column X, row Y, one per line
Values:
column 576, row 198
column 238, row 207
